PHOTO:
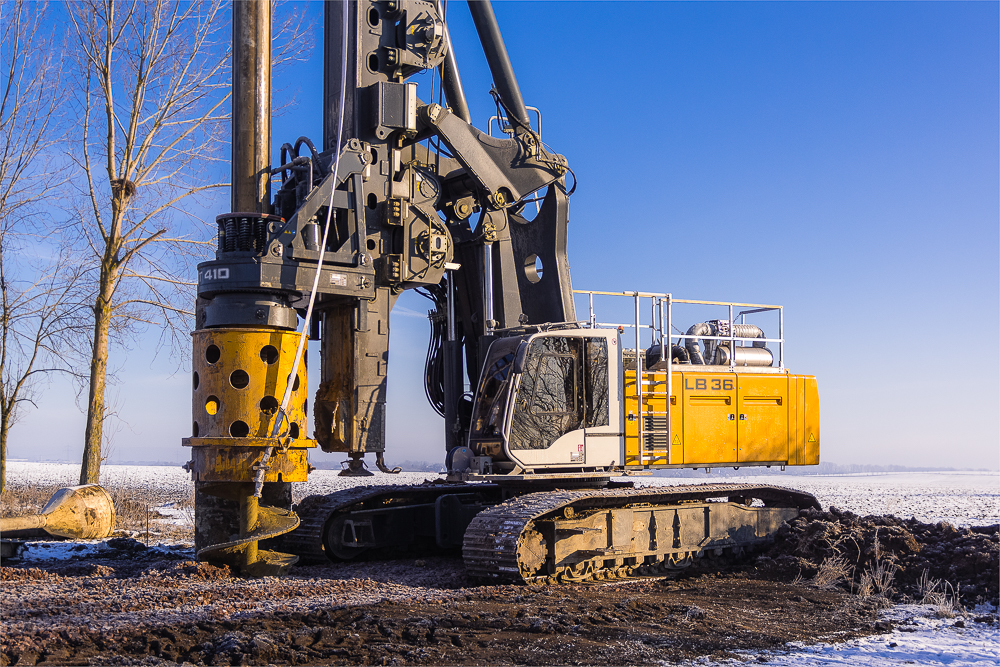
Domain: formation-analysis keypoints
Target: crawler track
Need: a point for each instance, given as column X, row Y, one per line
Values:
column 497, row 539
column 308, row 541
column 537, row 536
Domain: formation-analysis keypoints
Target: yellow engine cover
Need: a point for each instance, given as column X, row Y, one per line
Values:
column 721, row 418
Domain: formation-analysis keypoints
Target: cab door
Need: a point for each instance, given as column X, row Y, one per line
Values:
column 602, row 408
column 562, row 411
column 546, row 426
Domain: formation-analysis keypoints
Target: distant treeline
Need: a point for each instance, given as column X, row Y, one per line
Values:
column 821, row 469
column 407, row 466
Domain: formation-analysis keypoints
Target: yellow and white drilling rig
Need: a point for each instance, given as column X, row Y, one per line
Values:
column 407, row 194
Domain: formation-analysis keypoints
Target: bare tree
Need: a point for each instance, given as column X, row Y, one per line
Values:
column 39, row 322
column 153, row 82
column 39, row 297
column 154, row 85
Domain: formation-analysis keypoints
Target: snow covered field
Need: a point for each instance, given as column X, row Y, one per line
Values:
column 172, row 480
column 961, row 498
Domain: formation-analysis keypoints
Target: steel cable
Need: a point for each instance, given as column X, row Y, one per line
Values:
column 261, row 467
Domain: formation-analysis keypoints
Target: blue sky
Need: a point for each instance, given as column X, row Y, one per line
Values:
column 840, row 159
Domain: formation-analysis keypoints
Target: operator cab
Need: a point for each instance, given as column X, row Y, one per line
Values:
column 547, row 400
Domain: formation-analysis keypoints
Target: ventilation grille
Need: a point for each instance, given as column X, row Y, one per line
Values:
column 654, row 431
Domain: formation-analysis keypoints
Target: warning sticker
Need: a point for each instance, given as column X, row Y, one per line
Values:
column 676, row 440
column 812, row 438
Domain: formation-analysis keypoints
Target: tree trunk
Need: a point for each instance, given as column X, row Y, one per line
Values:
column 4, row 427
column 90, row 471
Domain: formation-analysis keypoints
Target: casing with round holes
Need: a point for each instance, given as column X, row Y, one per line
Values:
column 239, row 378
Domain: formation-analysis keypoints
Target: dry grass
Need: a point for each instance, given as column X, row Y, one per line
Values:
column 876, row 580
column 928, row 589
column 133, row 504
column 137, row 506
column 182, row 529
column 17, row 500
column 940, row 594
column 832, row 573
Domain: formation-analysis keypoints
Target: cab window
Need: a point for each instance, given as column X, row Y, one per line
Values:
column 595, row 374
column 564, row 387
column 491, row 405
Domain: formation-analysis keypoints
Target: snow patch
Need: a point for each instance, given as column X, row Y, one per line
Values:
column 56, row 551
column 920, row 638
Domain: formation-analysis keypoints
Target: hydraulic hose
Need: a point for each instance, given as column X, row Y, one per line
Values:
column 304, row 336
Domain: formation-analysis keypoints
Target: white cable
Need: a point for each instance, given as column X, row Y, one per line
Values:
column 262, row 465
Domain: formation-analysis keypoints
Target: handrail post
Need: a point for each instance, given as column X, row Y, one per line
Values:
column 781, row 337
column 670, row 378
column 638, row 379
column 732, row 340
column 652, row 318
column 663, row 345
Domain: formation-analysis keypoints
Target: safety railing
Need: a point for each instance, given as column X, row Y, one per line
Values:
column 661, row 328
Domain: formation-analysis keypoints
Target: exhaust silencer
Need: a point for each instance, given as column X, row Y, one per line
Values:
column 745, row 356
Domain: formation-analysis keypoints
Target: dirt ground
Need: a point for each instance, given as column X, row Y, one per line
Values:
column 129, row 604
column 635, row 622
